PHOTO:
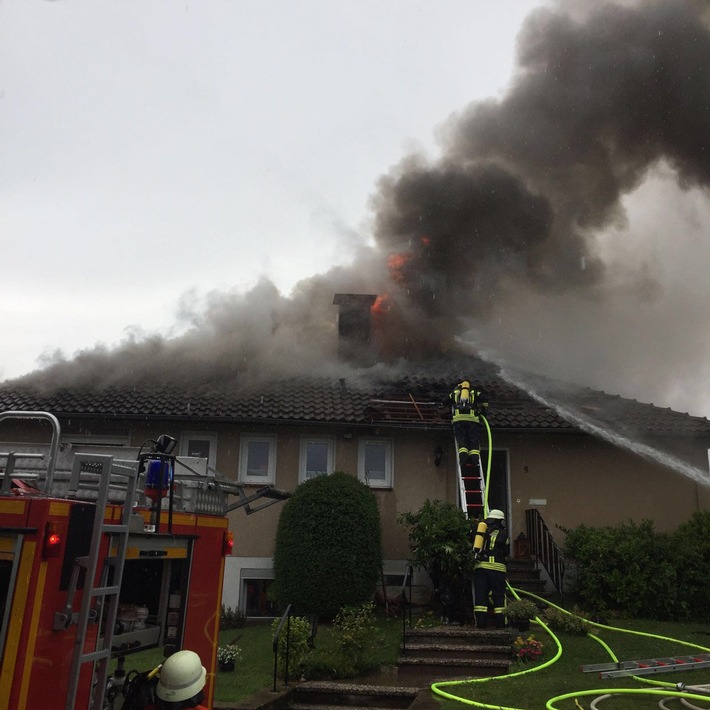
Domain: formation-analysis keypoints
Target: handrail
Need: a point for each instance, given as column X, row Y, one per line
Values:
column 54, row 446
column 406, row 605
column 277, row 634
column 544, row 547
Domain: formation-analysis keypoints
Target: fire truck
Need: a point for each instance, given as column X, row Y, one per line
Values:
column 101, row 557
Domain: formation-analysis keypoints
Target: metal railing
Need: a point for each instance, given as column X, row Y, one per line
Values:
column 285, row 619
column 406, row 605
column 546, row 550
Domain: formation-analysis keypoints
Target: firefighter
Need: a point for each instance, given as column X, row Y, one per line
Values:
column 467, row 404
column 489, row 571
column 182, row 678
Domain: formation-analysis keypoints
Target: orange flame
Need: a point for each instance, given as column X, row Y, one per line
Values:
column 396, row 263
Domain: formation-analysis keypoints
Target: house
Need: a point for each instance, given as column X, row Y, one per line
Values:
column 600, row 460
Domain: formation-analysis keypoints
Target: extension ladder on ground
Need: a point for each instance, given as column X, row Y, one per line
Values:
column 649, row 666
column 472, row 488
column 104, row 594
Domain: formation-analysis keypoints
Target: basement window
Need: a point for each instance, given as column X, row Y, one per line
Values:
column 316, row 458
column 257, row 459
column 375, row 462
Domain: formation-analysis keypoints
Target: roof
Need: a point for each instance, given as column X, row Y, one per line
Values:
column 412, row 401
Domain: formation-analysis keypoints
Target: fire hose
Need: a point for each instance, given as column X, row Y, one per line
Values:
column 670, row 690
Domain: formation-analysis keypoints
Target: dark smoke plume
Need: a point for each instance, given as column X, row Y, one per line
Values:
column 528, row 237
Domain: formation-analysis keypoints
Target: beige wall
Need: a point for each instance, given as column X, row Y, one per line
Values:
column 585, row 480
column 580, row 478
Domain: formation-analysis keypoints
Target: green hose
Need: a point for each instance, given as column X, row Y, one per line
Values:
column 437, row 687
column 488, row 466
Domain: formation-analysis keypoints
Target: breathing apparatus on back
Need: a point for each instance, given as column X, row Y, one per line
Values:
column 496, row 518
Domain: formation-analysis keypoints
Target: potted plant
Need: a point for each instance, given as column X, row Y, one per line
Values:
column 519, row 613
column 227, row 657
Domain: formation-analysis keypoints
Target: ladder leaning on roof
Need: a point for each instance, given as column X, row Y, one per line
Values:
column 472, row 488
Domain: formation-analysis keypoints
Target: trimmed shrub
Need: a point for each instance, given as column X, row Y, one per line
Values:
column 690, row 547
column 633, row 570
column 328, row 551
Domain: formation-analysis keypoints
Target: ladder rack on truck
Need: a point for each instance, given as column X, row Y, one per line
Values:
column 94, row 564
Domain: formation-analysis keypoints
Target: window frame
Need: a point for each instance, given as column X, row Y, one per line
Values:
column 388, row 444
column 244, row 441
column 329, row 441
column 210, row 436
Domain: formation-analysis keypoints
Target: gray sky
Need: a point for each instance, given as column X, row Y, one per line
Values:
column 159, row 158
column 149, row 148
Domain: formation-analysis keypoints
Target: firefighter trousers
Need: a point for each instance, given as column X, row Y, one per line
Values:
column 488, row 589
column 468, row 442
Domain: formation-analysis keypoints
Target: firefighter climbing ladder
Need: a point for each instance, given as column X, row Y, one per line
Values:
column 472, row 488
column 649, row 666
column 106, row 593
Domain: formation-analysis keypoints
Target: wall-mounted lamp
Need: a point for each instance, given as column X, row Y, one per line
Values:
column 438, row 455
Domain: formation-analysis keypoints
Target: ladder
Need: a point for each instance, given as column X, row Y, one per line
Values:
column 649, row 666
column 105, row 593
column 472, row 488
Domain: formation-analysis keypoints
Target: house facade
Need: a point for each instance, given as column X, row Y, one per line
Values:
column 392, row 433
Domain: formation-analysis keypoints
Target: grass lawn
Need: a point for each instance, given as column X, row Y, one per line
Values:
column 528, row 692
column 534, row 689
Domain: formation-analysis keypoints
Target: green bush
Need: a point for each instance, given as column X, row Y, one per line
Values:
column 635, row 571
column 328, row 551
column 356, row 635
column 231, row 618
column 297, row 635
column 691, row 549
column 440, row 539
column 574, row 623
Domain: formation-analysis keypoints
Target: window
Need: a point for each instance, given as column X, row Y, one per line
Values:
column 374, row 464
column 316, row 458
column 257, row 459
column 199, row 445
column 255, row 593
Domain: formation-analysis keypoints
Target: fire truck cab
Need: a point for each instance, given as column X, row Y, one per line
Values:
column 101, row 557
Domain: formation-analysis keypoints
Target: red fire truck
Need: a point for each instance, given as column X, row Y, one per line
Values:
column 102, row 558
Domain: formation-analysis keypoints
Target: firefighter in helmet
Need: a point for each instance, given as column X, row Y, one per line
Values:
column 467, row 404
column 180, row 684
column 490, row 550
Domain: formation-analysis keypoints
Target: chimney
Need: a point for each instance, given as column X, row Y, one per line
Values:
column 354, row 336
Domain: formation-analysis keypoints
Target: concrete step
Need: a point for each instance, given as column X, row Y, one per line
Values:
column 417, row 649
column 318, row 695
column 458, row 635
column 425, row 671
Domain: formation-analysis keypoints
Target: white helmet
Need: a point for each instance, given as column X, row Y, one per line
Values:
column 181, row 677
column 496, row 514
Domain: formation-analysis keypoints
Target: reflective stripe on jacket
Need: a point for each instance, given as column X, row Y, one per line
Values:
column 494, row 552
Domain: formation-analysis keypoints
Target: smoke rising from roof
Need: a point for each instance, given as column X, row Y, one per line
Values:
column 562, row 228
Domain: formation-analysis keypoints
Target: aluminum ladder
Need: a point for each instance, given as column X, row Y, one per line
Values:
column 472, row 488
column 649, row 666
column 106, row 593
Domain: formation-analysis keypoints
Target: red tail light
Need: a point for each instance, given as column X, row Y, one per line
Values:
column 227, row 543
column 52, row 544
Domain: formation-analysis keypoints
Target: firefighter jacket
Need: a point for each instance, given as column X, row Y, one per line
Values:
column 495, row 548
column 467, row 403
